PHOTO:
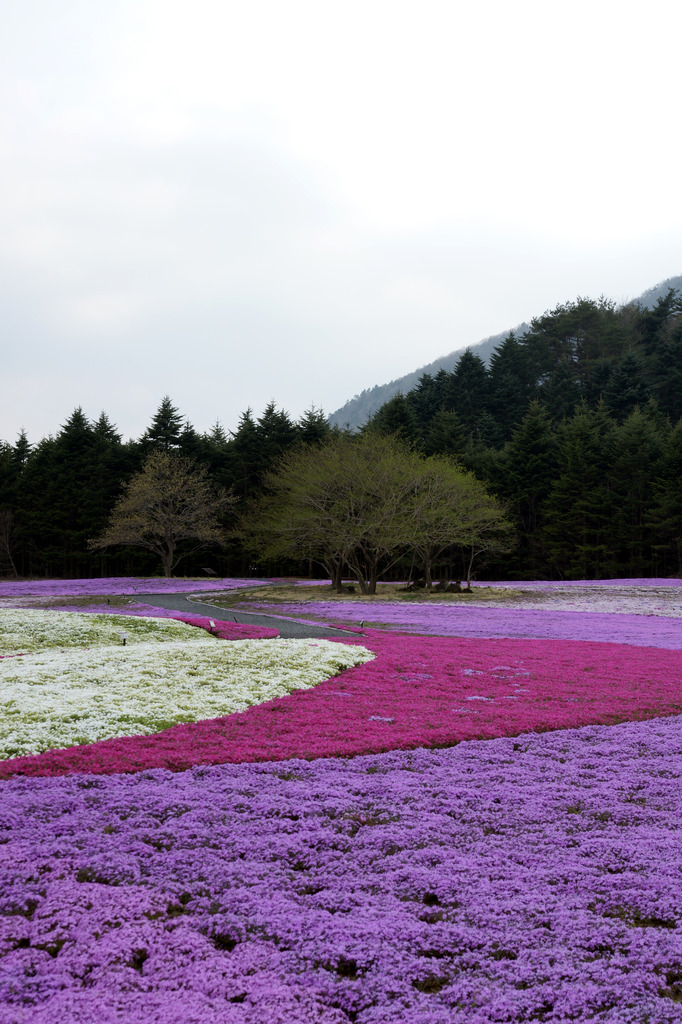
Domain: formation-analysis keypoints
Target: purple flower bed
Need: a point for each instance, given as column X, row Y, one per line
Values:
column 489, row 623
column 513, row 880
column 118, row 585
column 651, row 581
column 542, row 584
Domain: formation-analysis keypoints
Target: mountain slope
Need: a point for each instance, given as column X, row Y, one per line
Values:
column 358, row 409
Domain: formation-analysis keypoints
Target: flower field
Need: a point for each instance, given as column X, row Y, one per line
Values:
column 485, row 622
column 502, row 845
column 32, row 631
column 117, row 585
column 75, row 687
column 426, row 691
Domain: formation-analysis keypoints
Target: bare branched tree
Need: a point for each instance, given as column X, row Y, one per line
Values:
column 169, row 502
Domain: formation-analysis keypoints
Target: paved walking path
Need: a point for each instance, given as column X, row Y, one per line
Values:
column 287, row 628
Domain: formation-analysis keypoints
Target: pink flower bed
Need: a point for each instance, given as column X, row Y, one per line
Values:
column 427, row 691
column 221, row 629
column 118, row 585
column 477, row 621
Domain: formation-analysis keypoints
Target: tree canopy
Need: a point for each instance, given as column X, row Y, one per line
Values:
column 574, row 428
column 363, row 502
column 168, row 502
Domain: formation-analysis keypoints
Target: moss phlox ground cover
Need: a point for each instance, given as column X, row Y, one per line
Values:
column 529, row 876
column 530, row 879
column 118, row 585
column 31, row 630
column 486, row 622
column 78, row 688
column 417, row 691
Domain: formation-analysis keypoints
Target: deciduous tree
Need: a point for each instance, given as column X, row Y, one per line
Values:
column 166, row 504
column 365, row 501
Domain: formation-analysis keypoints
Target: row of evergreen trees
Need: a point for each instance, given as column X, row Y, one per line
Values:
column 56, row 496
column 582, row 352
column 577, row 427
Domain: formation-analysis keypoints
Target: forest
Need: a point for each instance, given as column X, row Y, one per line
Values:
column 576, row 428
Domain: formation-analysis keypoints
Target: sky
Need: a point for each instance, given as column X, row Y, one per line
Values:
column 232, row 203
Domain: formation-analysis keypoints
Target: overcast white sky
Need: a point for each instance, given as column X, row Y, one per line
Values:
column 232, row 202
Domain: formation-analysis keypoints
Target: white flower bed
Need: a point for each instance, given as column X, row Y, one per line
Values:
column 25, row 630
column 64, row 698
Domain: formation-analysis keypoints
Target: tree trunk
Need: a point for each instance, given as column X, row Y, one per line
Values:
column 359, row 574
column 335, row 570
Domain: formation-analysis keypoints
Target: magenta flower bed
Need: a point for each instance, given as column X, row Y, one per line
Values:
column 476, row 621
column 536, row 879
column 118, row 585
column 221, row 629
column 426, row 691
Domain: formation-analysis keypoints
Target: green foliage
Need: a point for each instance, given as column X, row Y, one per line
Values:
column 166, row 428
column 170, row 501
column 363, row 502
column 580, row 504
column 575, row 427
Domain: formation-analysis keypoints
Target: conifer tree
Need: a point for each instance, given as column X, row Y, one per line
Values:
column 313, row 428
column 245, row 457
column 639, row 445
column 469, row 389
column 511, row 384
column 627, row 387
column 446, row 435
column 277, row 432
column 528, row 470
column 561, row 393
column 664, row 515
column 579, row 508
column 166, row 428
column 395, row 417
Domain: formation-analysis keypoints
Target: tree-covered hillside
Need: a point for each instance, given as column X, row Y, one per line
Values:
column 356, row 411
column 575, row 428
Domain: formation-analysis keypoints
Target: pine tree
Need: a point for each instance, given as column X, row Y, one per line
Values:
column 511, row 385
column 529, row 469
column 579, row 508
column 165, row 431
column 395, row 417
column 664, row 516
column 424, row 400
column 446, row 435
column 470, row 389
column 245, row 457
column 313, row 428
column 22, row 450
column 277, row 433
column 627, row 387
column 561, row 393
column 666, row 369
column 638, row 450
